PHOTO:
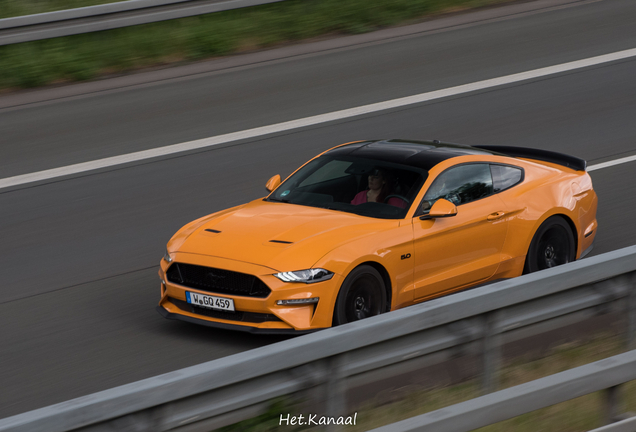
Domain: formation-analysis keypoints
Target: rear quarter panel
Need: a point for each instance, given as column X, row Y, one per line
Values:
column 547, row 190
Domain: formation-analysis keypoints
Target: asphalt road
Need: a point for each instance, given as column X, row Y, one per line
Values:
column 79, row 255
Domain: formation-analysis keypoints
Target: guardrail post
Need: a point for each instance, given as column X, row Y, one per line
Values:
column 328, row 397
column 491, row 352
column 612, row 404
column 335, row 387
column 631, row 313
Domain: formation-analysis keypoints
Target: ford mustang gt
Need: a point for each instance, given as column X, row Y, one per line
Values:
column 373, row 226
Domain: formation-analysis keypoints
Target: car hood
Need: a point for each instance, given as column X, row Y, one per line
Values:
column 281, row 236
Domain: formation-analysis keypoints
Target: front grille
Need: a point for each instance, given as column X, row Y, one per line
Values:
column 217, row 280
column 251, row 317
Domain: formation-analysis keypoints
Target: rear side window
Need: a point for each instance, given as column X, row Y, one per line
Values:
column 504, row 176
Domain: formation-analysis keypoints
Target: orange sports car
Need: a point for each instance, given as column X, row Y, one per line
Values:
column 373, row 226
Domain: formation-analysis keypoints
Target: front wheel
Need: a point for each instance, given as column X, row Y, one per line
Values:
column 552, row 245
column 362, row 295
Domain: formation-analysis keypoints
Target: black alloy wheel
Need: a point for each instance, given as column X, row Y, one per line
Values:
column 552, row 245
column 362, row 295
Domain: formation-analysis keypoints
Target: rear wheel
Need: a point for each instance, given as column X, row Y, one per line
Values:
column 362, row 295
column 552, row 245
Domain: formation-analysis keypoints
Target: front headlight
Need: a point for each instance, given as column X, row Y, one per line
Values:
column 305, row 276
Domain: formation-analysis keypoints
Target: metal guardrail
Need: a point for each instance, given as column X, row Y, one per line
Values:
column 627, row 425
column 514, row 401
column 109, row 16
column 321, row 366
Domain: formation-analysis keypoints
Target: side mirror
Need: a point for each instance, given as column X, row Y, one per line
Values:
column 273, row 183
column 441, row 208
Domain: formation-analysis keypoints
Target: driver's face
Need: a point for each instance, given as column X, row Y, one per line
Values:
column 375, row 181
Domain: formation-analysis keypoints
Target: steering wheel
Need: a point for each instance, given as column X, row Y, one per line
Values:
column 386, row 200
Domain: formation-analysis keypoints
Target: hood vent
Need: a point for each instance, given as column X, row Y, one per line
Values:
column 280, row 241
column 212, row 230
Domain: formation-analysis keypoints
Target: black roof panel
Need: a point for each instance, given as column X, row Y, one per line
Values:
column 420, row 154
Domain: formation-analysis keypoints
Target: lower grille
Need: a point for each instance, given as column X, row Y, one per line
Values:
column 251, row 317
column 217, row 280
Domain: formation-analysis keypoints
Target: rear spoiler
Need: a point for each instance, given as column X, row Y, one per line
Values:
column 542, row 155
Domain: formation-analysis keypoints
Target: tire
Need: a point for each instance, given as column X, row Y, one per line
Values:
column 362, row 295
column 552, row 245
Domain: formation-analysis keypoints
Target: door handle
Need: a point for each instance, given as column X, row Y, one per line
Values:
column 496, row 215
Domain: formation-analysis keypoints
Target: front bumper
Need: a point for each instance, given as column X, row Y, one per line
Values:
column 254, row 315
column 223, row 325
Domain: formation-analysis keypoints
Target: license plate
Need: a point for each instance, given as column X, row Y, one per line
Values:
column 210, row 302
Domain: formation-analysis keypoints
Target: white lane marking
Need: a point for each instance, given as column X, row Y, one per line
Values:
column 612, row 163
column 310, row 121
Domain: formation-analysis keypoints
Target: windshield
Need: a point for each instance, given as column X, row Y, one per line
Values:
column 355, row 185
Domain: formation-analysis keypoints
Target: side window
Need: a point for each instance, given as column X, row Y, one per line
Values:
column 461, row 184
column 504, row 176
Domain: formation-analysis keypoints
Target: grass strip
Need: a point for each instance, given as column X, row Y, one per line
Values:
column 576, row 415
column 87, row 56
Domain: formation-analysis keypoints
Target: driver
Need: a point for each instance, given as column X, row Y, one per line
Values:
column 379, row 188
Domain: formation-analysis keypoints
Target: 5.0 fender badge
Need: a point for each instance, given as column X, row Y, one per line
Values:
column 405, row 256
